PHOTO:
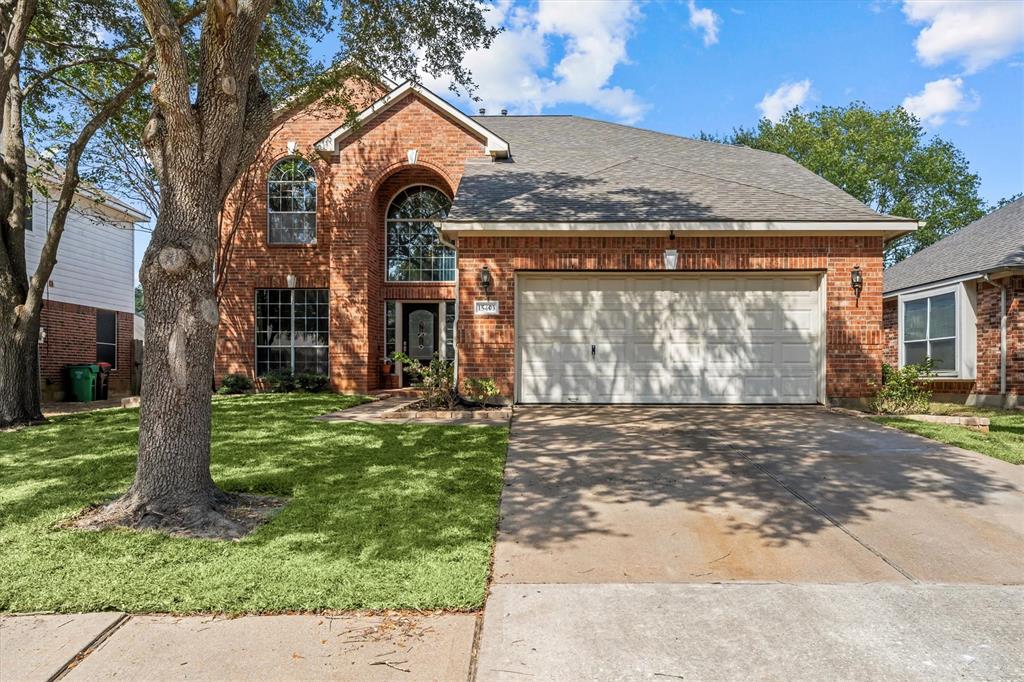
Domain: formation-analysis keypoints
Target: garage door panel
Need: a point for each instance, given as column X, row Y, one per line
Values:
column 669, row 338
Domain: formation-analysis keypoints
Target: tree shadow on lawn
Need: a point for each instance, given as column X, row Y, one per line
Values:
column 379, row 516
column 732, row 461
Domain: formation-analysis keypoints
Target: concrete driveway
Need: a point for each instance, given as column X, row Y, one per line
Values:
column 621, row 516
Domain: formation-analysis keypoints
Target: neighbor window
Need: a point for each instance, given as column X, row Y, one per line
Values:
column 106, row 337
column 291, row 330
column 291, row 202
column 415, row 252
column 929, row 331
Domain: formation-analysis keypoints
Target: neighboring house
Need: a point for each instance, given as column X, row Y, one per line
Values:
column 90, row 299
column 572, row 260
column 959, row 302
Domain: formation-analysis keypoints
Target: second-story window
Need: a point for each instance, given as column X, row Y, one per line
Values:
column 291, row 202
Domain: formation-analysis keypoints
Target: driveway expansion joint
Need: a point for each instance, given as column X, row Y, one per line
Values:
column 831, row 519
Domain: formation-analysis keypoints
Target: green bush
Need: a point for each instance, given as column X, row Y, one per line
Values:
column 436, row 379
column 311, row 382
column 235, row 383
column 902, row 391
column 480, row 390
column 280, row 381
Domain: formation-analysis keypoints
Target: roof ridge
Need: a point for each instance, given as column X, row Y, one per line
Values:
column 766, row 189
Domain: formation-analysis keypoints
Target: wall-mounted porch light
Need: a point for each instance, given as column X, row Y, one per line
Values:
column 486, row 281
column 292, row 281
column 857, row 280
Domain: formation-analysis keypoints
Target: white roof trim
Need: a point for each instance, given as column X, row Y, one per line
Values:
column 796, row 227
column 496, row 146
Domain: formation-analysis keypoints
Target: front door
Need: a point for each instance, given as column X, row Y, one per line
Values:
column 421, row 333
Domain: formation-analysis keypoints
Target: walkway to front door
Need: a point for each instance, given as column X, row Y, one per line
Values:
column 849, row 550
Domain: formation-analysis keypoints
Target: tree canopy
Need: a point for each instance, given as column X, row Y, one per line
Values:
column 883, row 158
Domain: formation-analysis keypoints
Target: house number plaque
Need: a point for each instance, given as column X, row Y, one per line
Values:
column 485, row 307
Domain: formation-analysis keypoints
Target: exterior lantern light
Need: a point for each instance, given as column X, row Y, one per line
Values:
column 671, row 255
column 486, row 281
column 291, row 281
column 857, row 280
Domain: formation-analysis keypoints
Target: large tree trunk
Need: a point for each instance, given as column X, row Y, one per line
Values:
column 173, row 488
column 19, row 372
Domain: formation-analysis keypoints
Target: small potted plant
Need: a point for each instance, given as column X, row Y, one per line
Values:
column 388, row 366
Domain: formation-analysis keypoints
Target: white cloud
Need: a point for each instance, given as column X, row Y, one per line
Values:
column 514, row 73
column 705, row 21
column 976, row 33
column 775, row 104
column 939, row 99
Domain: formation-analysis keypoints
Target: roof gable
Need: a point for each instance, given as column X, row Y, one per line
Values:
column 495, row 145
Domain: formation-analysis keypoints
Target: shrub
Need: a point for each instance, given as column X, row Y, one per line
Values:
column 311, row 382
column 436, row 379
column 280, row 381
column 235, row 383
column 902, row 391
column 480, row 390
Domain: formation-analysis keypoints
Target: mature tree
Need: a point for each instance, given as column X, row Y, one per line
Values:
column 1008, row 200
column 68, row 66
column 212, row 108
column 884, row 159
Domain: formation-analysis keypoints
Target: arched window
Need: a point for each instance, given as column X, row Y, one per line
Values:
column 291, row 202
column 414, row 249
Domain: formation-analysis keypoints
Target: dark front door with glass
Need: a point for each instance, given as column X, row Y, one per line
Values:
column 420, row 332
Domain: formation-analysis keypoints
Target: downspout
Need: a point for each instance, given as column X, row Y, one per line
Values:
column 1002, row 334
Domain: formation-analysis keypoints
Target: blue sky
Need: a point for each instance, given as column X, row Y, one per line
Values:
column 683, row 67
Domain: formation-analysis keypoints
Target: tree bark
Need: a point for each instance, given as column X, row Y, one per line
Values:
column 19, row 375
column 173, row 488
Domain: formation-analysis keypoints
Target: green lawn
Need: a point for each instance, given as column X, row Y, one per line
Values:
column 1005, row 439
column 380, row 516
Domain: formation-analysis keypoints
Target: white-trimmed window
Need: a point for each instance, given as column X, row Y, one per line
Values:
column 291, row 202
column 929, row 329
column 415, row 252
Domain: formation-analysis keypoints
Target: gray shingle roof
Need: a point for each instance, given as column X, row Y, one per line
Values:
column 994, row 242
column 572, row 168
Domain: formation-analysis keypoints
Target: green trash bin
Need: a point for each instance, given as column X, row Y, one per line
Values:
column 83, row 382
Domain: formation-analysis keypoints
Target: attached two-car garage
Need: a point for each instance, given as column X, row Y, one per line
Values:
column 669, row 338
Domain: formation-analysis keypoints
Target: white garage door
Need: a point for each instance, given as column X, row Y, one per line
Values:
column 734, row 338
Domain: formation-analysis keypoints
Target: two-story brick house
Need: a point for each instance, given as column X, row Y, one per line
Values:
column 570, row 259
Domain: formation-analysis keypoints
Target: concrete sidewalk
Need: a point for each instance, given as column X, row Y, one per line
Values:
column 747, row 631
column 114, row 646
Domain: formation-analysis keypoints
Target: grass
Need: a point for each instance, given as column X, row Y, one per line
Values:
column 380, row 516
column 1005, row 439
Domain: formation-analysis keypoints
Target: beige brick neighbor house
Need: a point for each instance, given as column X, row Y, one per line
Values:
column 570, row 259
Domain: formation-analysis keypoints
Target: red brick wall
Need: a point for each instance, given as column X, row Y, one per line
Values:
column 71, row 340
column 354, row 186
column 891, row 325
column 854, row 337
column 987, row 376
